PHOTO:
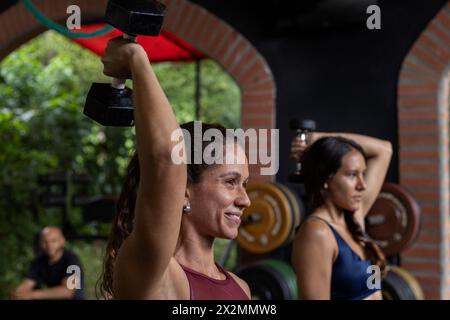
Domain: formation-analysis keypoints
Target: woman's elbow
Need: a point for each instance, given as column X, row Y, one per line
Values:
column 386, row 148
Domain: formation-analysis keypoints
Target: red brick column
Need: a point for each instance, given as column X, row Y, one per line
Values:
column 423, row 103
column 188, row 21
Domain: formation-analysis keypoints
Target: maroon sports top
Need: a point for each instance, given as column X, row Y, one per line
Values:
column 202, row 287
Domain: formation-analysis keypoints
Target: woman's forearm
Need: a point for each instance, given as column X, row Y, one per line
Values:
column 373, row 147
column 154, row 117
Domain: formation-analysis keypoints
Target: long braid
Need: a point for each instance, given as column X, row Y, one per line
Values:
column 373, row 251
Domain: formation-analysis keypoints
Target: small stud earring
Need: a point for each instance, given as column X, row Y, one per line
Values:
column 187, row 208
column 325, row 186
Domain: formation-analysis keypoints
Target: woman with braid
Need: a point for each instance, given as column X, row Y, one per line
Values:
column 168, row 214
column 343, row 174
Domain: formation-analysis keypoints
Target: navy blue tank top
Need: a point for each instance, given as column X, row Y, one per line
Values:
column 350, row 273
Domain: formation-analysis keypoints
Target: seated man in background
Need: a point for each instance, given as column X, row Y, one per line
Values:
column 55, row 274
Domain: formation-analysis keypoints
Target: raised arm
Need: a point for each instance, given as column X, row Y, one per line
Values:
column 142, row 262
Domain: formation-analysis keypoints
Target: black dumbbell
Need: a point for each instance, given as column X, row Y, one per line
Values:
column 112, row 104
column 302, row 128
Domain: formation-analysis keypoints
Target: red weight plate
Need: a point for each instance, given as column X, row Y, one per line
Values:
column 394, row 219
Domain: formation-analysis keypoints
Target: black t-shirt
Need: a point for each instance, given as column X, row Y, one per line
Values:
column 52, row 275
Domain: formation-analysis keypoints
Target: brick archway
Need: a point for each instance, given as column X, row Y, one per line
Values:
column 423, row 115
column 188, row 21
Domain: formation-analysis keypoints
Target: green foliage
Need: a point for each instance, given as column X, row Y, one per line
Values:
column 219, row 253
column 91, row 257
column 43, row 85
column 220, row 97
column 215, row 105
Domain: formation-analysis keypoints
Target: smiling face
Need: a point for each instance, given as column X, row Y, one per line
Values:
column 346, row 187
column 218, row 200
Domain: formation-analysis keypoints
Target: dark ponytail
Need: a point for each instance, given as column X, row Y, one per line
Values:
column 320, row 162
column 122, row 226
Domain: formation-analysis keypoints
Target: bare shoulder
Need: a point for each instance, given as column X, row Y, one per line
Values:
column 314, row 239
column 242, row 284
column 314, row 230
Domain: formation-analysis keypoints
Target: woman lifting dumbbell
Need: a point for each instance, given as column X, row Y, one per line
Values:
column 161, row 242
column 342, row 174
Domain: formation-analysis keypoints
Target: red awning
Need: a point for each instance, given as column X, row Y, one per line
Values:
column 165, row 47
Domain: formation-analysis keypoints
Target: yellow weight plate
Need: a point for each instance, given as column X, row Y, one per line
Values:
column 296, row 208
column 267, row 223
column 399, row 284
